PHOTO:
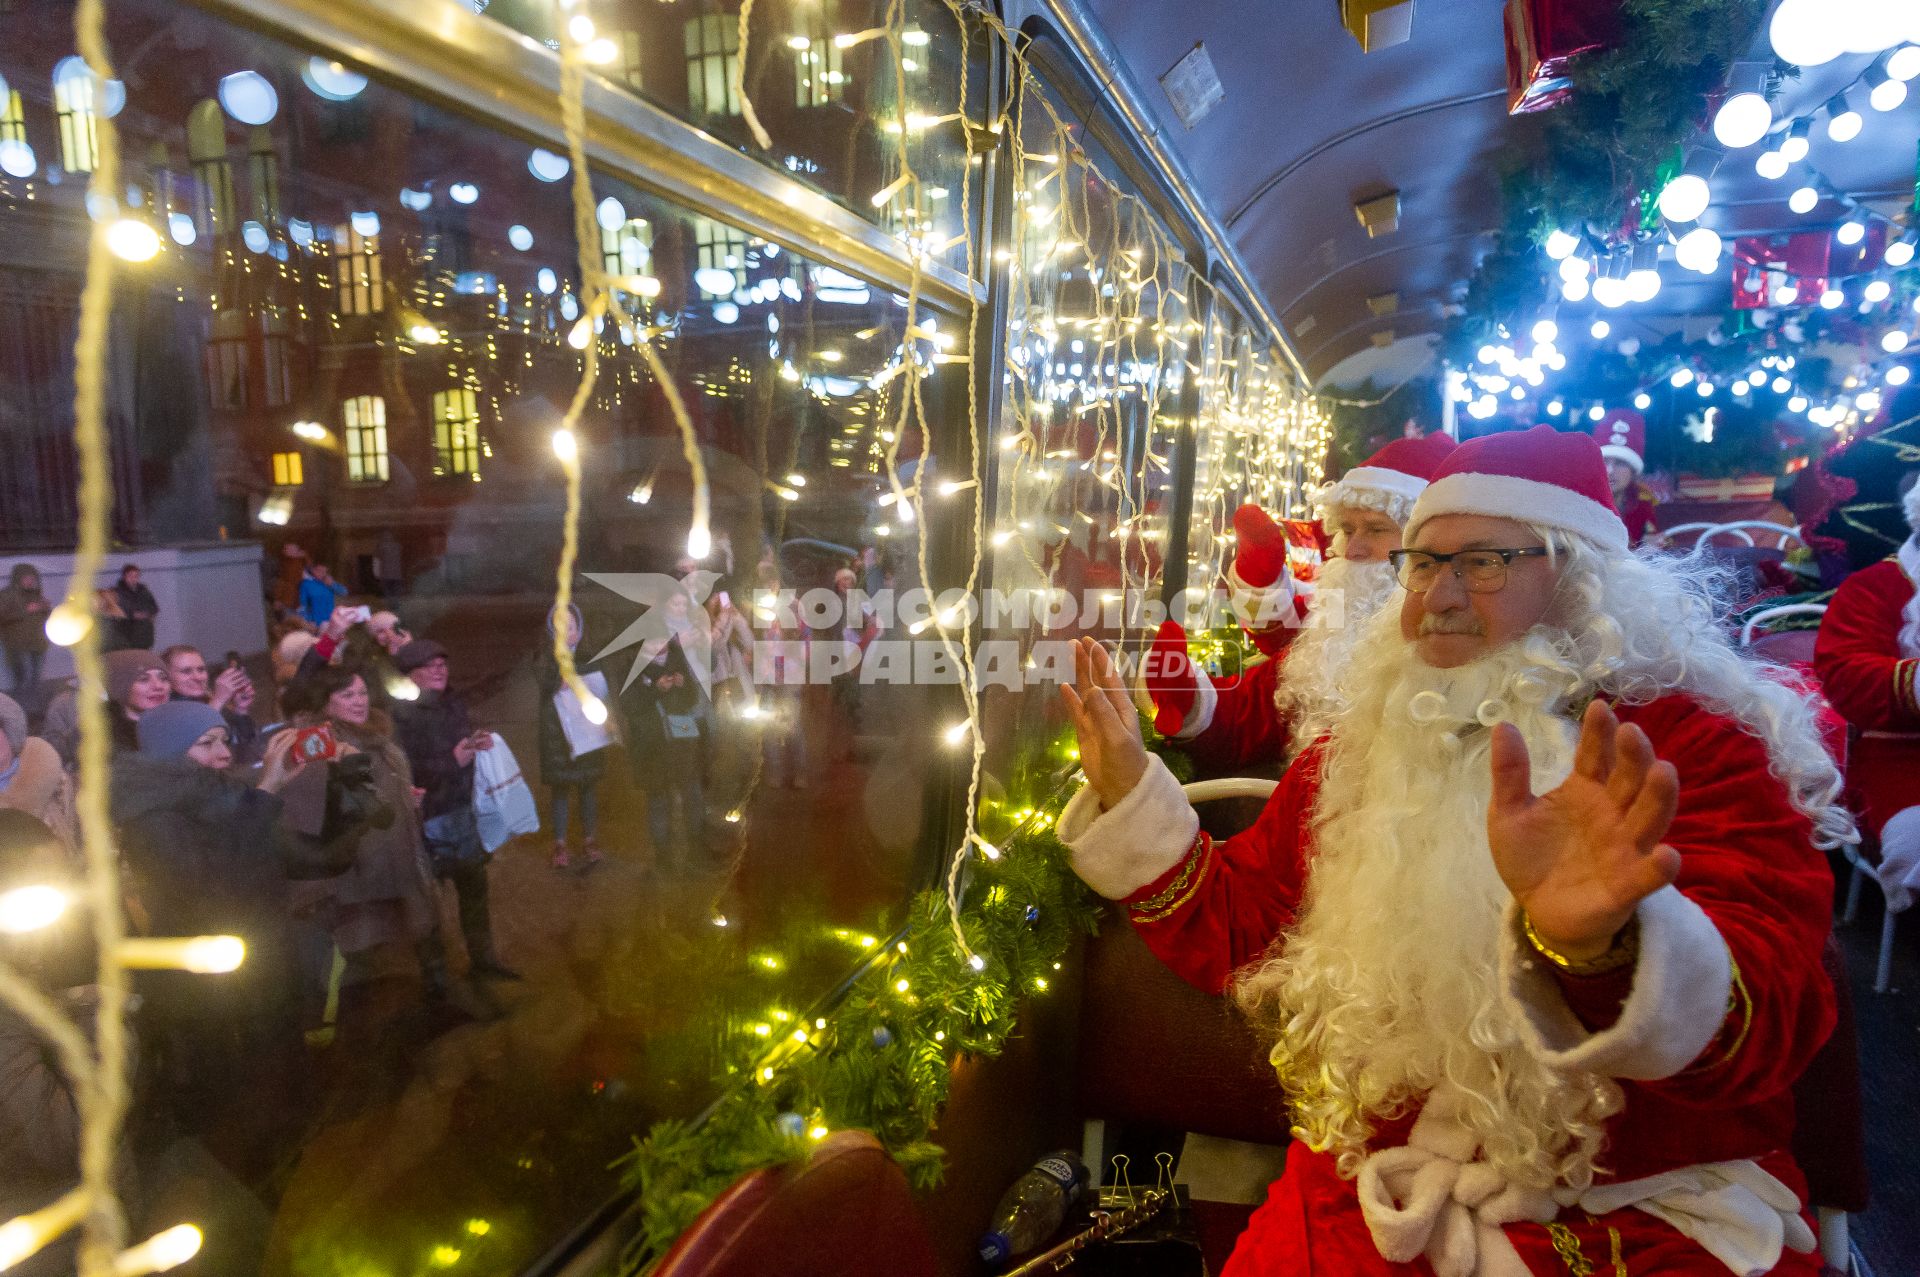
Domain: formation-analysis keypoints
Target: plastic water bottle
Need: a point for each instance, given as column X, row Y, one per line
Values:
column 1034, row 1206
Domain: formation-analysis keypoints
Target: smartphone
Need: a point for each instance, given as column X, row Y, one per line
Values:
column 315, row 744
column 234, row 662
column 361, row 615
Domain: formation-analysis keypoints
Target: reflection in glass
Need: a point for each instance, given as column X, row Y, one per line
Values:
column 355, row 353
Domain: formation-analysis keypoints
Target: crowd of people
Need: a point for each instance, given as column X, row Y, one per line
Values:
column 321, row 806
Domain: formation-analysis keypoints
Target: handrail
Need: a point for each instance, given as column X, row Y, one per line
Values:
column 1738, row 527
column 1774, row 614
column 480, row 67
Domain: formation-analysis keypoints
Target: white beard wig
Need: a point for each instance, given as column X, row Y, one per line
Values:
column 1314, row 678
column 1386, row 984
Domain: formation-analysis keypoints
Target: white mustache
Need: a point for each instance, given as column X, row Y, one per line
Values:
column 1452, row 623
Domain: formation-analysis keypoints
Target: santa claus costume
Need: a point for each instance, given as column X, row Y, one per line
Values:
column 1305, row 632
column 1467, row 1101
column 1622, row 434
column 1867, row 654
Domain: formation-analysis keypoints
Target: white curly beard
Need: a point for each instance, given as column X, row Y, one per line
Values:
column 1313, row 679
column 1386, row 983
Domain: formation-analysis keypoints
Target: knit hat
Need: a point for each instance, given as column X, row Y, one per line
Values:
column 1622, row 435
column 1536, row 476
column 1390, row 479
column 169, row 731
column 13, row 724
column 412, row 656
column 124, row 669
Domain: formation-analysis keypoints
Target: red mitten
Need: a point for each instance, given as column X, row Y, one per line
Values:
column 1171, row 678
column 1262, row 555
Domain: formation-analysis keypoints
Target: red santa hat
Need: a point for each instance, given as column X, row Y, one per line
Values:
column 1538, row 476
column 1389, row 480
column 1622, row 435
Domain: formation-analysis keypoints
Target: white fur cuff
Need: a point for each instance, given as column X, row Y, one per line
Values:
column 1205, row 701
column 1677, row 1005
column 1120, row 851
column 1261, row 608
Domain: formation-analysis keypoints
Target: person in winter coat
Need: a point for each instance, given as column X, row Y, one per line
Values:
column 208, row 854
column 32, row 778
column 570, row 781
column 440, row 744
column 387, row 895
column 136, row 684
column 133, row 628
column 668, row 713
column 39, row 1120
column 319, row 594
column 231, row 692
column 23, row 629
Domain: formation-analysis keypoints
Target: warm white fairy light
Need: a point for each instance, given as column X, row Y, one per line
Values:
column 31, row 908
column 203, row 955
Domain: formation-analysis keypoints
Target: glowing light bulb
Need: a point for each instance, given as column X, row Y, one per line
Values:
column 565, row 446
column 1560, row 244
column 203, row 955
column 1797, row 404
column 1845, row 126
column 1803, row 200
column 1831, row 299
column 1878, row 291
column 1900, row 252
column 1596, row 412
column 1786, row 295
column 1851, row 231
column 593, row 709
column 1545, row 331
column 1681, row 376
column 977, row 962
column 30, row 908
column 1742, row 120
column 956, row 732
column 1771, row 165
column 1686, row 196
column 67, row 624
column 1898, row 375
column 1894, row 342
column 133, row 240
column 699, row 541
column 160, row 1252
column 1887, row 95
column 1600, row 329
column 1643, row 401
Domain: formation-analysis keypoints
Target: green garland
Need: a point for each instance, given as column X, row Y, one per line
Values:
column 1602, row 156
column 882, row 1059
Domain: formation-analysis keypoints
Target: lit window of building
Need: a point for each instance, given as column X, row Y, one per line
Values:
column 287, row 470
column 13, row 122
column 456, row 432
column 364, row 425
column 817, row 77
column 720, row 247
column 207, row 148
column 627, row 249
column 74, row 92
column 357, row 286
column 713, row 52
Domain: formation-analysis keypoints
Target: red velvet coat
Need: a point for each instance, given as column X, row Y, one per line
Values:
column 1871, row 682
column 1764, row 898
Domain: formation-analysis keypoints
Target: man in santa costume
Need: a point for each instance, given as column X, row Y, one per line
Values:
column 1536, row 928
column 1623, row 442
column 1280, row 704
column 1866, row 656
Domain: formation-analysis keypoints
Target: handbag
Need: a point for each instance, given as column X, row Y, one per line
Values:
column 503, row 803
column 583, row 735
column 453, row 836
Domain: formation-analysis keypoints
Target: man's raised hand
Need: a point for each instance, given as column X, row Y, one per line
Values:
column 1581, row 857
column 1111, row 751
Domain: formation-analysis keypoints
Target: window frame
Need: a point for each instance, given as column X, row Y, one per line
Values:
column 356, row 436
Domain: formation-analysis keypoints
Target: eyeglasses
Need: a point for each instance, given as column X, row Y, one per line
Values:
column 1481, row 571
